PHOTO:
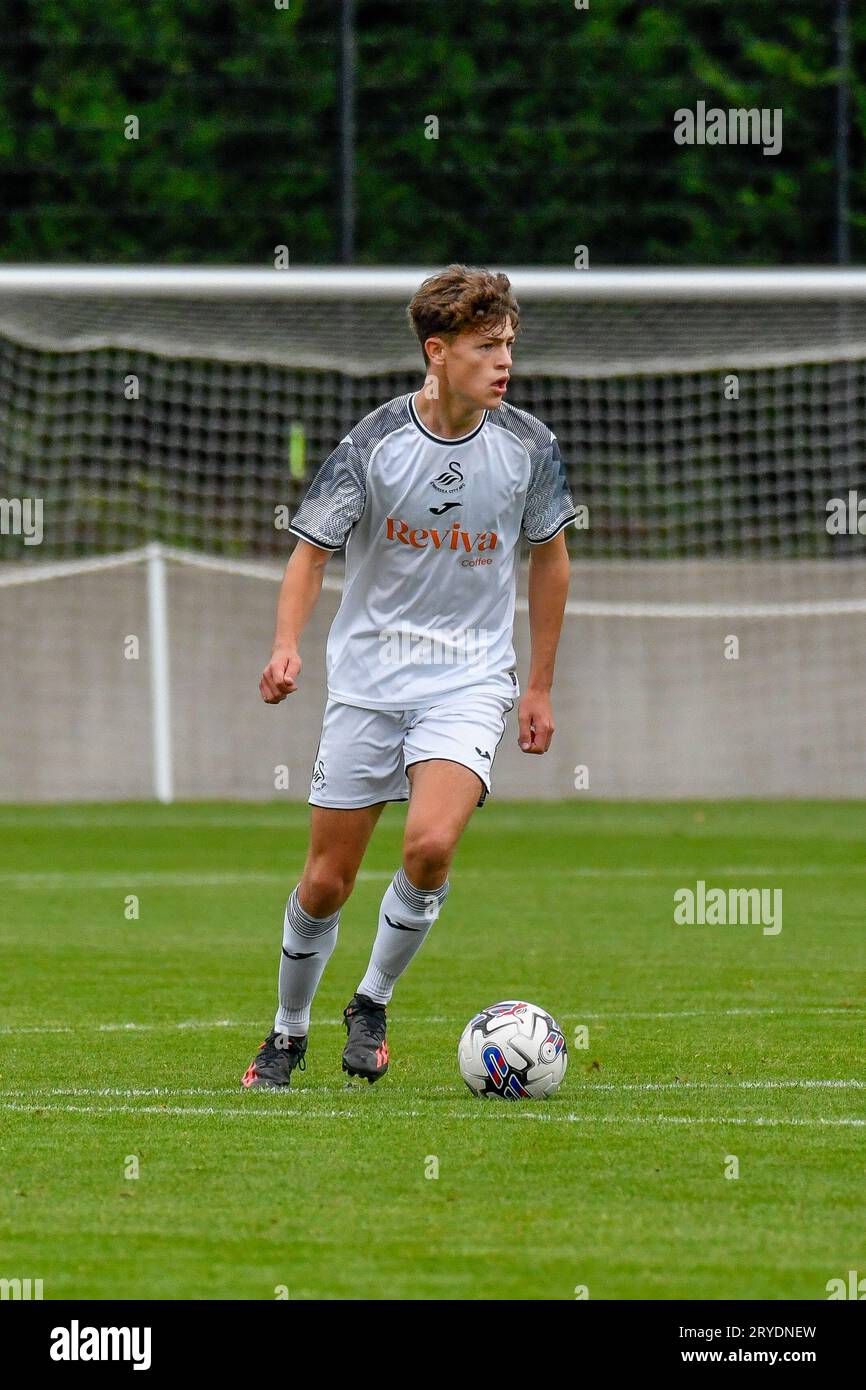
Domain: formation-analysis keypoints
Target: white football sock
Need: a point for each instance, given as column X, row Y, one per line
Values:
column 406, row 915
column 307, row 946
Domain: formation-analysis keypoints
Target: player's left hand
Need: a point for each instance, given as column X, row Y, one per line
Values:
column 535, row 719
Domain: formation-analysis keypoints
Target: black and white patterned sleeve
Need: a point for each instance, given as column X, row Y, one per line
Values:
column 549, row 506
column 335, row 500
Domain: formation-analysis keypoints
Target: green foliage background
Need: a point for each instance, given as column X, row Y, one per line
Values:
column 555, row 129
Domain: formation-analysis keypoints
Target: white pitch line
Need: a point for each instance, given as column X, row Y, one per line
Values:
column 295, row 815
column 409, row 1020
column 134, row 878
column 209, row 1110
column 130, row 1093
column 146, row 878
column 805, row 1082
column 256, row 1026
column 292, row 815
column 801, row 1011
column 282, row 1113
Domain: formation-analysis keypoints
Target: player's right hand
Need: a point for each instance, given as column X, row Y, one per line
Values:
column 278, row 677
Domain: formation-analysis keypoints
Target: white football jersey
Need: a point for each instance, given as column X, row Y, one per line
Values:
column 431, row 528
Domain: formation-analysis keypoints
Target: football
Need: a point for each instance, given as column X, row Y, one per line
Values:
column 512, row 1050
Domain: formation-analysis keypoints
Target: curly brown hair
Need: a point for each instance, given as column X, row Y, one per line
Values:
column 458, row 298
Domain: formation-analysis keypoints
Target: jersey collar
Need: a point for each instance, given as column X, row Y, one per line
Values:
column 438, row 438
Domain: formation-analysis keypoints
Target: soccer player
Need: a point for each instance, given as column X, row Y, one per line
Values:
column 428, row 494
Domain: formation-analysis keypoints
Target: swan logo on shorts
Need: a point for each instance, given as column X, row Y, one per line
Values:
column 451, row 480
column 319, row 774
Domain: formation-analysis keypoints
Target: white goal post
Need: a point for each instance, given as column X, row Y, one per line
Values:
column 400, row 283
column 710, row 419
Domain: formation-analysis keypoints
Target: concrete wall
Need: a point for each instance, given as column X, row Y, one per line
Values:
column 650, row 705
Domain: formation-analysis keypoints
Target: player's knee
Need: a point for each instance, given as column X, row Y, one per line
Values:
column 325, row 887
column 427, row 852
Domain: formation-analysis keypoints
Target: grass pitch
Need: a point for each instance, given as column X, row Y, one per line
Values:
column 123, row 1041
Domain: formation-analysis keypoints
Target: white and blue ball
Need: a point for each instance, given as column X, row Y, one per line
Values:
column 513, row 1051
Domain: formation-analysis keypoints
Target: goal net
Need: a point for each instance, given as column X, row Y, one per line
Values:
column 159, row 427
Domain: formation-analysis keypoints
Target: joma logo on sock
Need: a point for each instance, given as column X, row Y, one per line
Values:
column 421, row 538
column 714, row 907
column 77, row 1343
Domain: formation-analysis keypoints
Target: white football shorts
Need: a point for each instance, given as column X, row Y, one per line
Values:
column 363, row 754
